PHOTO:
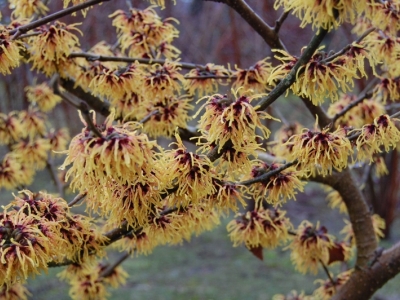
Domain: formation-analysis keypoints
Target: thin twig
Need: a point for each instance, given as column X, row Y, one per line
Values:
column 268, row 175
column 93, row 57
column 77, row 198
column 57, row 15
column 328, row 274
column 83, row 107
column 285, row 83
column 148, row 117
column 279, row 22
column 60, row 186
column 347, row 47
column 110, row 269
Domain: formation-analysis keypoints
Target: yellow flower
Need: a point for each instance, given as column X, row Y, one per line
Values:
column 141, row 242
column 279, row 188
column 327, row 289
column 377, row 222
column 81, row 238
column 26, row 8
column 15, row 292
column 58, row 139
column 162, row 80
column 13, row 174
column 43, row 96
column 233, row 119
column 120, row 154
column 322, row 77
column 115, row 83
column 130, row 106
column 25, row 250
column 144, row 34
column 310, row 247
column 191, row 173
column 33, row 122
column 335, row 200
column 253, row 79
column 133, row 203
column 117, row 277
column 279, row 147
column 227, row 196
column 380, row 166
column 88, row 287
column 172, row 113
column 75, row 2
column 364, row 112
column 383, row 132
column 293, row 295
column 387, row 90
column 384, row 15
column 320, row 151
column 383, row 49
column 9, row 52
column 52, row 46
column 32, row 153
column 267, row 228
column 11, row 129
column 208, row 85
column 326, row 14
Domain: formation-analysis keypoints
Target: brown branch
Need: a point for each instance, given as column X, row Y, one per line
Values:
column 326, row 270
column 148, row 61
column 268, row 175
column 315, row 110
column 347, row 47
column 77, row 198
column 358, row 210
column 88, row 116
column 102, row 107
column 263, row 29
column 57, row 15
column 353, row 104
column 279, row 22
column 285, row 83
column 110, row 269
column 364, row 282
column 53, row 172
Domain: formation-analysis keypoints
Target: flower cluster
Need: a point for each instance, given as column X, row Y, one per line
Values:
column 235, row 120
column 383, row 132
column 267, row 228
column 278, row 188
column 310, row 247
column 43, row 96
column 116, row 163
column 320, row 151
column 50, row 49
column 364, row 113
column 10, row 52
column 142, row 33
column 322, row 76
column 205, row 80
column 255, row 78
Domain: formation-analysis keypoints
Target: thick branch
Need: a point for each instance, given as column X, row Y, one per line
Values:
column 285, row 83
column 359, row 214
column 266, row 32
column 364, row 282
